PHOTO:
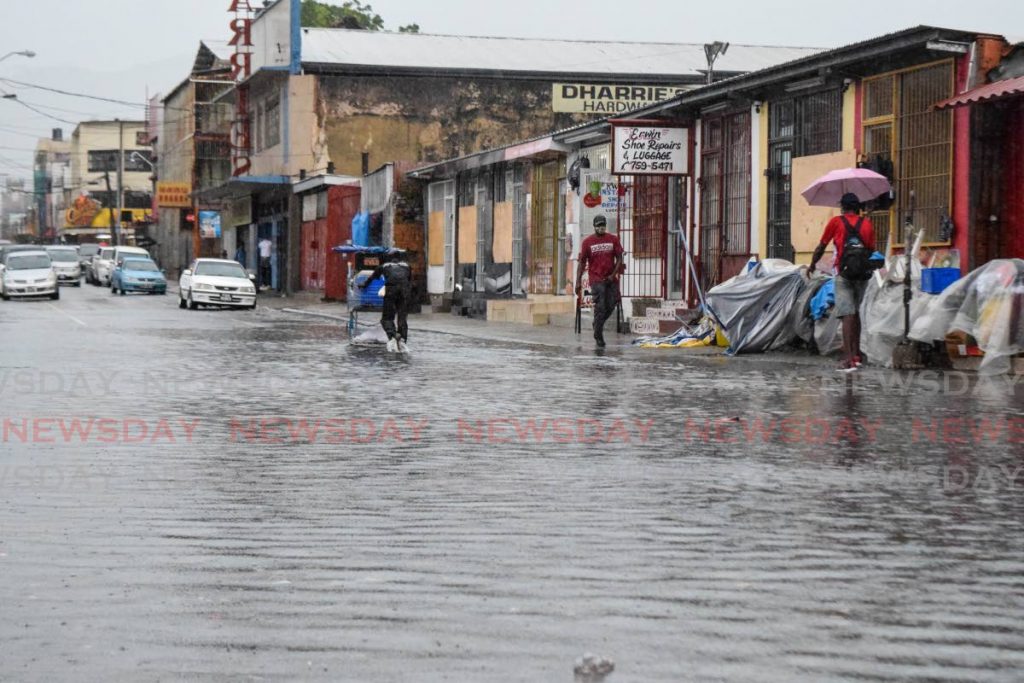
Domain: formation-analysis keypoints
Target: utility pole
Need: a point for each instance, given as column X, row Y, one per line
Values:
column 120, row 181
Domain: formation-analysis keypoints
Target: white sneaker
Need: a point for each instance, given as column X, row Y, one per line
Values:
column 392, row 345
column 402, row 348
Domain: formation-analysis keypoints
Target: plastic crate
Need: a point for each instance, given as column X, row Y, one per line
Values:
column 934, row 280
column 370, row 294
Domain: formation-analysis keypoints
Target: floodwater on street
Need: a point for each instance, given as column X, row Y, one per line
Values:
column 216, row 494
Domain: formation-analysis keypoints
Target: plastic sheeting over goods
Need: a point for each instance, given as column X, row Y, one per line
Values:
column 754, row 307
column 987, row 304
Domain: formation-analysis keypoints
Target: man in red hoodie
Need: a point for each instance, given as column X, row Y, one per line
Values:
column 601, row 255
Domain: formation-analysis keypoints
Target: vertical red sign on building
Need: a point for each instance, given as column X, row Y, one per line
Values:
column 241, row 69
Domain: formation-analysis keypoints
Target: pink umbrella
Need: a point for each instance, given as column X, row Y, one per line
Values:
column 830, row 188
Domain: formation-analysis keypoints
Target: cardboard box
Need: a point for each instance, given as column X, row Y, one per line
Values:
column 959, row 344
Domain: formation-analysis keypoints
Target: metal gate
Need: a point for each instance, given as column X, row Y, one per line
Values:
column 518, row 230
column 484, row 228
column 644, row 237
column 725, row 197
column 800, row 126
column 544, row 231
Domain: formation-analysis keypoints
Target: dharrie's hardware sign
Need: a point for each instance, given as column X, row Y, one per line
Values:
column 589, row 98
column 639, row 148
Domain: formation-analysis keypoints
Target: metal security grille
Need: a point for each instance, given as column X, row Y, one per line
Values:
column 725, row 197
column 484, row 228
column 518, row 229
column 544, row 230
column 711, row 202
column 644, row 237
column 800, row 126
column 900, row 125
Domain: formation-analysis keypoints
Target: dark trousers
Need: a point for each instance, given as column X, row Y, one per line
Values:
column 396, row 305
column 264, row 271
column 606, row 296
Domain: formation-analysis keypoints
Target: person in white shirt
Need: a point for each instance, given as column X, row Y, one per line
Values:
column 265, row 246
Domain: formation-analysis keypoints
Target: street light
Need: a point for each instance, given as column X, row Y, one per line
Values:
column 23, row 53
column 139, row 157
column 713, row 51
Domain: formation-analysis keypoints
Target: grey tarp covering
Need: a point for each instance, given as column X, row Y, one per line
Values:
column 755, row 307
column 800, row 317
column 987, row 304
column 881, row 311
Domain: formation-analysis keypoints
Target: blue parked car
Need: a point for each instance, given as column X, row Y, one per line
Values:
column 137, row 275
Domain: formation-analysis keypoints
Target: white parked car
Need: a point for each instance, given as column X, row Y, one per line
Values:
column 28, row 273
column 216, row 282
column 103, row 264
column 66, row 264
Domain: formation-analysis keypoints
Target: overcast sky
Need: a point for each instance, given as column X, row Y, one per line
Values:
column 124, row 49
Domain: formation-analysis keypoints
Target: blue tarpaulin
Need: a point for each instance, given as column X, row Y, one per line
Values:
column 361, row 229
column 824, row 299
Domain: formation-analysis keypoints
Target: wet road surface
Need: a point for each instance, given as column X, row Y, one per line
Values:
column 235, row 495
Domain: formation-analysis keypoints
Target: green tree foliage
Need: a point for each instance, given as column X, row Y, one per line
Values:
column 351, row 14
column 411, row 28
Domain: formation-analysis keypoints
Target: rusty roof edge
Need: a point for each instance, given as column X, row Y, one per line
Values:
column 889, row 43
column 772, row 75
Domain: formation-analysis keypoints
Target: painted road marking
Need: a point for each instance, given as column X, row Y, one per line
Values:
column 59, row 310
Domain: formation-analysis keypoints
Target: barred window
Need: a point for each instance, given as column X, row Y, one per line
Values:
column 901, row 126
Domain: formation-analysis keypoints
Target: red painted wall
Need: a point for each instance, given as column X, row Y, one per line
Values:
column 342, row 206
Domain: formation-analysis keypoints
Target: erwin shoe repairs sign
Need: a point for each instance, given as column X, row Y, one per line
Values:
column 639, row 148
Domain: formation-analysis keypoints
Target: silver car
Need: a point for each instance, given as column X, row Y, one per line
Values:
column 28, row 273
column 66, row 265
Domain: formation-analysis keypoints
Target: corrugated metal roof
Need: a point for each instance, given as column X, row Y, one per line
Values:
column 529, row 55
column 988, row 92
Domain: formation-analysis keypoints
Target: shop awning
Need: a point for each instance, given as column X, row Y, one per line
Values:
column 990, row 92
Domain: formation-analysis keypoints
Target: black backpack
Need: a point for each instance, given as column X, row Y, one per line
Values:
column 856, row 261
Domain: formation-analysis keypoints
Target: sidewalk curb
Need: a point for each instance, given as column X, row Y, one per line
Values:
column 465, row 335
column 810, row 363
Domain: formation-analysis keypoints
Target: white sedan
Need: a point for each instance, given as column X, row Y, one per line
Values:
column 215, row 282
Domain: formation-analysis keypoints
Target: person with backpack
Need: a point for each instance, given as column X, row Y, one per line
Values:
column 854, row 239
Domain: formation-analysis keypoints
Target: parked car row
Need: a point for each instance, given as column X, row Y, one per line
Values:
column 31, row 270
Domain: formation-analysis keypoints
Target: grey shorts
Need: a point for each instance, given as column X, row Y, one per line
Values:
column 849, row 294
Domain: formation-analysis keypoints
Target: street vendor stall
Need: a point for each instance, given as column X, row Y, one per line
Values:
column 364, row 295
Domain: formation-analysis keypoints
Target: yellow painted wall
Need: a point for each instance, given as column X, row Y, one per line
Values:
column 385, row 138
column 760, row 222
column 502, row 247
column 435, row 238
column 467, row 234
column 849, row 116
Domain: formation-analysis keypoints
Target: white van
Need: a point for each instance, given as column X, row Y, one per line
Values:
column 109, row 257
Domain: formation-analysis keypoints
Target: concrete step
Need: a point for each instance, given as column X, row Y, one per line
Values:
column 661, row 313
column 644, row 326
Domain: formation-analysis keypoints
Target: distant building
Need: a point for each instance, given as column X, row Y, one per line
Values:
column 108, row 158
column 311, row 98
column 51, row 174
